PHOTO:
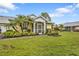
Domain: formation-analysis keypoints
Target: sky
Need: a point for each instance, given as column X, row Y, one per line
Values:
column 59, row 12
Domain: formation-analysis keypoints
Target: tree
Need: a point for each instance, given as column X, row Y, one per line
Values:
column 46, row 15
column 30, row 23
column 13, row 24
column 18, row 21
column 61, row 27
column 56, row 29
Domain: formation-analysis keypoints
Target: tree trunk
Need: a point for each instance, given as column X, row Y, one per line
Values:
column 14, row 28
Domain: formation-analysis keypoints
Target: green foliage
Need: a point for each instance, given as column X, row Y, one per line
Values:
column 28, row 30
column 9, row 33
column 31, row 34
column 65, row 45
column 61, row 26
column 24, row 33
column 46, row 15
column 48, row 31
column 17, row 34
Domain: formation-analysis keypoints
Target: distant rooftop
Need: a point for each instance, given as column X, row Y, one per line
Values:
column 72, row 24
column 5, row 19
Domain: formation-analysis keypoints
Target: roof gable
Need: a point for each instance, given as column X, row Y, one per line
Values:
column 5, row 19
column 41, row 18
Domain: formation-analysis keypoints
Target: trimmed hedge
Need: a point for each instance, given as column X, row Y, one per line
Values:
column 10, row 34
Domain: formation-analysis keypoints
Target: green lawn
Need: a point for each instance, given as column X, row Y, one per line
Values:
column 67, row 44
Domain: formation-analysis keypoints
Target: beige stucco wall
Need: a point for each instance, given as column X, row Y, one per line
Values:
column 76, row 28
column 49, row 26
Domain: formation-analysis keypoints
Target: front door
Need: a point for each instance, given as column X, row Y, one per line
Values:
column 40, row 28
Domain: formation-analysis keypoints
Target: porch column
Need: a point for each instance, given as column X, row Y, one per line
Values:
column 34, row 27
column 44, row 27
column 71, row 28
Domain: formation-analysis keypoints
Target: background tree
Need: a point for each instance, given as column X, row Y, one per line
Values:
column 61, row 26
column 46, row 15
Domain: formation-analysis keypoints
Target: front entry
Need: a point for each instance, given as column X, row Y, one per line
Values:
column 39, row 28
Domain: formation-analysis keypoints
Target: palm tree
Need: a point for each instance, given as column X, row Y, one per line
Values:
column 20, row 20
column 30, row 23
column 13, row 24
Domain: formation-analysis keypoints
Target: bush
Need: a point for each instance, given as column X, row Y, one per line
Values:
column 17, row 34
column 24, row 33
column 54, row 33
column 31, row 34
column 28, row 30
column 9, row 33
column 48, row 31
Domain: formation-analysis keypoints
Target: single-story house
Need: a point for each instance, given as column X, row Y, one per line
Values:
column 40, row 24
column 4, row 20
column 72, row 26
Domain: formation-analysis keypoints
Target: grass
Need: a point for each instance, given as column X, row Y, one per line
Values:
column 65, row 45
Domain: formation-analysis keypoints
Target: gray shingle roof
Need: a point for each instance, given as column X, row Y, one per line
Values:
column 71, row 24
column 5, row 19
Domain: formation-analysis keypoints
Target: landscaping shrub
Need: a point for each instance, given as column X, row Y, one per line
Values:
column 48, row 31
column 17, row 34
column 28, row 30
column 53, row 34
column 24, row 33
column 31, row 34
column 9, row 33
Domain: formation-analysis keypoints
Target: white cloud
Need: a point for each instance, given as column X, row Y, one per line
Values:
column 3, row 11
column 59, row 12
column 9, row 6
column 63, row 10
column 56, row 15
column 6, row 7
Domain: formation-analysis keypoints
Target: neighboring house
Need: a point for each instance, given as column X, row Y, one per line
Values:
column 40, row 24
column 4, row 20
column 72, row 26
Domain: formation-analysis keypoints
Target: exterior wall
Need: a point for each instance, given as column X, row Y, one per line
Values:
column 76, row 28
column 3, row 28
column 49, row 26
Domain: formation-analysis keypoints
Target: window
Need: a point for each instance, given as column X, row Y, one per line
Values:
column 0, row 29
column 24, row 25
